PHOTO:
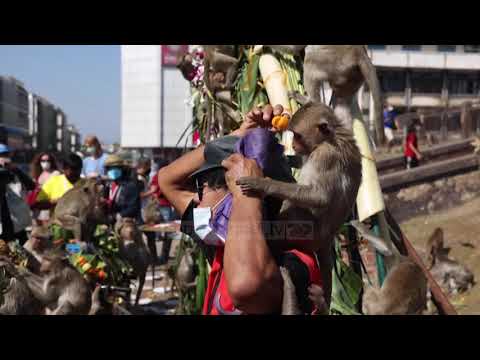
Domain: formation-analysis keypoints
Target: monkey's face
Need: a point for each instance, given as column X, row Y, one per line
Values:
column 308, row 135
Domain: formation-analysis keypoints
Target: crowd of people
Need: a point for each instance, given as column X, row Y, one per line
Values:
column 30, row 199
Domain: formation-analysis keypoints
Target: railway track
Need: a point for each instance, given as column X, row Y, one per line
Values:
column 440, row 161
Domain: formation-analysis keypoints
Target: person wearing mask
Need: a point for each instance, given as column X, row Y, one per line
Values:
column 411, row 152
column 42, row 168
column 57, row 185
column 94, row 162
column 12, row 182
column 245, row 275
column 123, row 192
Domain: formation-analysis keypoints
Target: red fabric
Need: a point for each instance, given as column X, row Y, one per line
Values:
column 32, row 195
column 158, row 194
column 411, row 140
column 226, row 303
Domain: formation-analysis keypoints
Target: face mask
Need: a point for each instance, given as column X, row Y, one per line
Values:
column 202, row 228
column 114, row 174
column 4, row 161
column 45, row 165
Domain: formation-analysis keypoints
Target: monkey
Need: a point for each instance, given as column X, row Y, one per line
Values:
column 221, row 67
column 185, row 274
column 100, row 306
column 81, row 209
column 151, row 212
column 18, row 299
column 61, row 288
column 40, row 241
column 405, row 289
column 404, row 292
column 328, row 182
column 134, row 250
column 449, row 273
column 345, row 68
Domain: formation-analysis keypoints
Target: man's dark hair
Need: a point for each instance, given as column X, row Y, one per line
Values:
column 72, row 161
column 214, row 178
column 144, row 162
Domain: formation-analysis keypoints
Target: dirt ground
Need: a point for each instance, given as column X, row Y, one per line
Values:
column 461, row 225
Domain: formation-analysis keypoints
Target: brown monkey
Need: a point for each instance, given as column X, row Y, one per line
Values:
column 220, row 67
column 151, row 212
column 404, row 292
column 81, row 209
column 345, row 68
column 328, row 183
column 185, row 275
column 133, row 249
column 62, row 289
column 449, row 273
column 18, row 299
column 290, row 301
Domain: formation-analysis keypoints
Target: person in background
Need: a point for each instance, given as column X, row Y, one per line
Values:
column 57, row 185
column 42, row 168
column 123, row 192
column 146, row 192
column 389, row 116
column 411, row 152
column 167, row 212
column 94, row 162
column 16, row 180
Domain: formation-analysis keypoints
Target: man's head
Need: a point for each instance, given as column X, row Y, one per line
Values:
column 92, row 146
column 5, row 155
column 210, row 187
column 72, row 167
column 144, row 166
column 115, row 167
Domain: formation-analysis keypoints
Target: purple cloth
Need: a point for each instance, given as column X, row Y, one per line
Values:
column 261, row 145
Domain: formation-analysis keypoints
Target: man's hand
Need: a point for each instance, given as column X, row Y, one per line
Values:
column 239, row 167
column 259, row 118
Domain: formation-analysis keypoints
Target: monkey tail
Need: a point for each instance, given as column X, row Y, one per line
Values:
column 370, row 74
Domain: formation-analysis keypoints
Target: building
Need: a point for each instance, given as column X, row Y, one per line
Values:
column 14, row 111
column 155, row 113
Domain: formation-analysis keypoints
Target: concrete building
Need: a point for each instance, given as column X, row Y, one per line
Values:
column 426, row 76
column 154, row 94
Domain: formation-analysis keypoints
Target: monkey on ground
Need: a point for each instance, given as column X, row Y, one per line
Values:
column 151, row 213
column 346, row 68
column 328, row 182
column 404, row 292
column 134, row 250
column 405, row 289
column 18, row 299
column 81, row 209
column 61, row 288
column 449, row 273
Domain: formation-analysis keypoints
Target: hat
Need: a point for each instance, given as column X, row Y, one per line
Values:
column 215, row 152
column 114, row 160
column 259, row 144
column 4, row 149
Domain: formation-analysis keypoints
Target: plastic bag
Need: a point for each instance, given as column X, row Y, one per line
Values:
column 19, row 211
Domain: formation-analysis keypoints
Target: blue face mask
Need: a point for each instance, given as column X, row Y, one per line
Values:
column 114, row 174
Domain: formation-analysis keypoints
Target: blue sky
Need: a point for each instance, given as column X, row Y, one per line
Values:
column 84, row 80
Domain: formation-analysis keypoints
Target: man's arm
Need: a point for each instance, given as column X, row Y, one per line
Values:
column 171, row 179
column 253, row 277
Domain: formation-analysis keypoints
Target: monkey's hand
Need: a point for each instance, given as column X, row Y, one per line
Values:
column 299, row 98
column 317, row 297
column 252, row 185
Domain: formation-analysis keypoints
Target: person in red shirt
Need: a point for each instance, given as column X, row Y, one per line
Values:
column 411, row 152
column 245, row 275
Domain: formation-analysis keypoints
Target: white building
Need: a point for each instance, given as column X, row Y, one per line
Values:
column 154, row 93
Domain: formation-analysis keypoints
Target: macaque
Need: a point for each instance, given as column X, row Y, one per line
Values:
column 404, row 292
column 449, row 273
column 220, row 67
column 151, row 212
column 61, row 288
column 18, row 299
column 289, row 301
column 328, row 182
column 133, row 249
column 345, row 68
column 81, row 209
column 185, row 275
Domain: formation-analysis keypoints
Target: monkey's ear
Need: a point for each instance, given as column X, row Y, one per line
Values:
column 324, row 128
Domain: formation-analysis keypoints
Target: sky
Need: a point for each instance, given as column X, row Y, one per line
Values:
column 83, row 80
